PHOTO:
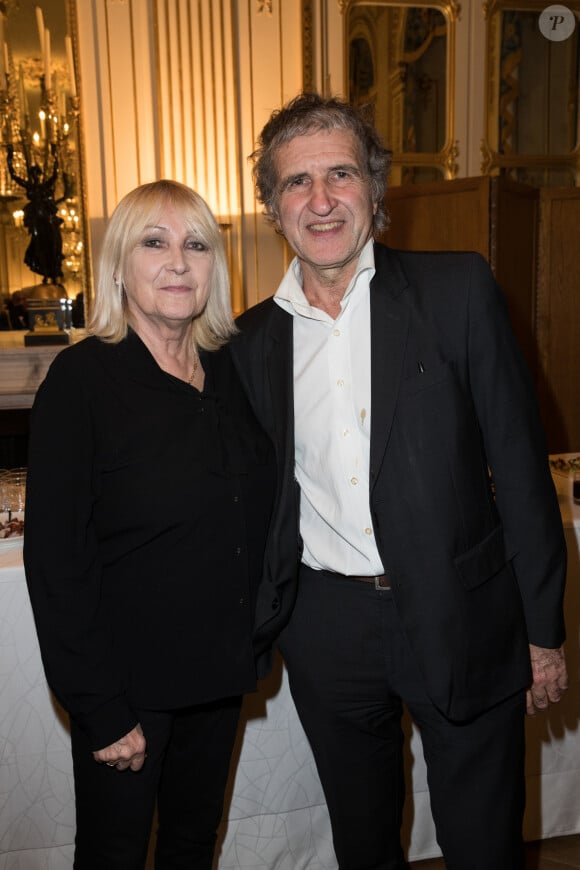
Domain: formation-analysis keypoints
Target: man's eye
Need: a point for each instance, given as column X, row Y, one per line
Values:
column 296, row 182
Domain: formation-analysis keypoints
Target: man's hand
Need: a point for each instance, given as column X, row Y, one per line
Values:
column 550, row 678
column 129, row 751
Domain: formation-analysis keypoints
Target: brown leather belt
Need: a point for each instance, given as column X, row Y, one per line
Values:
column 381, row 581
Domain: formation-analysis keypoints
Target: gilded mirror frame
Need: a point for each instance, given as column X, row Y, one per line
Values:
column 445, row 159
column 493, row 162
column 71, row 9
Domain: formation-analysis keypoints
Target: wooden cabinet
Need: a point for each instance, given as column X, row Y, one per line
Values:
column 531, row 238
column 558, row 316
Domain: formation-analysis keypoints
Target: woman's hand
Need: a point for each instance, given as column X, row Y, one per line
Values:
column 129, row 751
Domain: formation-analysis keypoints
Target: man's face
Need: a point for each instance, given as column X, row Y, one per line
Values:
column 325, row 208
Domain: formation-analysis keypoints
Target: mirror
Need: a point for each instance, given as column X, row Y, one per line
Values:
column 532, row 117
column 400, row 64
column 42, row 217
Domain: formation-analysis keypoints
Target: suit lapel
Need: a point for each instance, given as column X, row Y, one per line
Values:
column 279, row 355
column 389, row 329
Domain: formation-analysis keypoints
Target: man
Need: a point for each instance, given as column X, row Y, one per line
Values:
column 394, row 393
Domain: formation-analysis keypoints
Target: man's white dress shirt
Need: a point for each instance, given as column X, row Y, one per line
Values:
column 332, row 411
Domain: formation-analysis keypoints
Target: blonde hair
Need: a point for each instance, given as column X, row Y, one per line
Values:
column 141, row 208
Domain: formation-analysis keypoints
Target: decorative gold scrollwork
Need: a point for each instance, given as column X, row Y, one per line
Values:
column 532, row 139
column 400, row 62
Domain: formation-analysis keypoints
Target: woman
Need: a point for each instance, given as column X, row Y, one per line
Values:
column 149, row 492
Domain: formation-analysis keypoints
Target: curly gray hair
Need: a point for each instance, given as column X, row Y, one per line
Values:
column 309, row 113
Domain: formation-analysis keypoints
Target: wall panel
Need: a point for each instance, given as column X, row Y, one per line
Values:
column 181, row 89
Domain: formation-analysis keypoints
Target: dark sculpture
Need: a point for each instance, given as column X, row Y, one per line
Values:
column 44, row 253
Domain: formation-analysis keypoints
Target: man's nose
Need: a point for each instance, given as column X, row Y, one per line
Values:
column 321, row 200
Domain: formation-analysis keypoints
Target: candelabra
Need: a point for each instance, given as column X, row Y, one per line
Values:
column 38, row 127
column 39, row 113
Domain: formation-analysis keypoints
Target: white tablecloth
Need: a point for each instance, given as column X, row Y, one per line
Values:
column 277, row 817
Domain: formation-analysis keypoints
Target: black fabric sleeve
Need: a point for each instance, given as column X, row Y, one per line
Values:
column 61, row 558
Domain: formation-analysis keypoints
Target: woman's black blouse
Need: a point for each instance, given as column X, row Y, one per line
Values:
column 147, row 510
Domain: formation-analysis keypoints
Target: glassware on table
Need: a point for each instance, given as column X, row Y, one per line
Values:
column 12, row 502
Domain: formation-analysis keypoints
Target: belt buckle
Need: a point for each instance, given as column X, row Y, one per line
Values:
column 381, row 582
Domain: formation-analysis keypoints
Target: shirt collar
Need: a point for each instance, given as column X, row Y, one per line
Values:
column 290, row 295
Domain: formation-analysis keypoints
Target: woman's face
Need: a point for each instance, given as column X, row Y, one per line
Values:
column 167, row 274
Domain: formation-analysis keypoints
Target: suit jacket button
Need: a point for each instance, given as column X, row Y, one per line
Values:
column 275, row 604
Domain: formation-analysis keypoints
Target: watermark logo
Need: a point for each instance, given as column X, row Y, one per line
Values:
column 557, row 23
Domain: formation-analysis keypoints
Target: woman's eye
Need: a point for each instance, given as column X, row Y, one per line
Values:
column 152, row 243
column 196, row 245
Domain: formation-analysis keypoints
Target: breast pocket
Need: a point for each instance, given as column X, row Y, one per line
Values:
column 424, row 380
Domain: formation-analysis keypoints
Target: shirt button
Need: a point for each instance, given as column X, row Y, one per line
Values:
column 368, row 531
column 340, row 382
column 354, row 481
column 346, row 432
column 336, row 332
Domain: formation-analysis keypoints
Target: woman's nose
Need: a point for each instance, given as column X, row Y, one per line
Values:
column 176, row 259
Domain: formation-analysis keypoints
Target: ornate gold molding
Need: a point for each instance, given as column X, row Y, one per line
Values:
column 72, row 11
column 492, row 162
column 403, row 152
column 495, row 146
column 450, row 154
column 446, row 160
column 452, row 10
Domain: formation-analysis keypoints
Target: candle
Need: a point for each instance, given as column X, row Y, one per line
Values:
column 71, row 66
column 47, row 81
column 40, row 25
column 6, row 59
column 22, row 92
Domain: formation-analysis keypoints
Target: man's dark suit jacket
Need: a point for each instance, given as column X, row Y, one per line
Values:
column 475, row 576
